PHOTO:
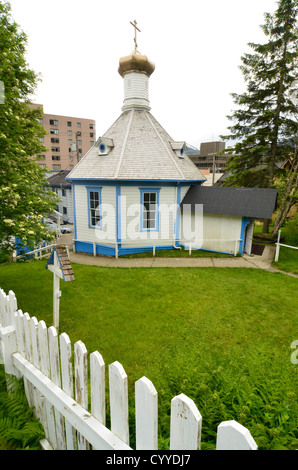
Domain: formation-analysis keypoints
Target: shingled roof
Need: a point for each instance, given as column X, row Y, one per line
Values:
column 58, row 179
column 63, row 262
column 141, row 150
column 258, row 203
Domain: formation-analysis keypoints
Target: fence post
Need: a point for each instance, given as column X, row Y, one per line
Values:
column 44, row 364
column 233, row 436
column 186, row 424
column 81, row 384
column 67, row 384
column 277, row 247
column 146, row 415
column 97, row 376
column 9, row 347
column 12, row 305
column 119, row 401
column 56, row 378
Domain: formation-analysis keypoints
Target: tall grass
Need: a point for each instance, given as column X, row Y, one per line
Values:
column 221, row 336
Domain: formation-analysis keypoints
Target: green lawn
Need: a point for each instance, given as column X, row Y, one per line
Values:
column 221, row 336
column 287, row 260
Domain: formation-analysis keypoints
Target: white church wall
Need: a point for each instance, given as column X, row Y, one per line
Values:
column 131, row 231
column 89, row 234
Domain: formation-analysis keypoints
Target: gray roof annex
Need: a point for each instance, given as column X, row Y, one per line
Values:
column 247, row 202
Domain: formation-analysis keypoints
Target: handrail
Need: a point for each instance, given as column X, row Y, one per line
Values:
column 37, row 250
column 278, row 244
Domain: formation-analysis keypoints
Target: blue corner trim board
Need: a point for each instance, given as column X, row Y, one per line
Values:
column 177, row 226
column 118, row 212
column 244, row 224
column 74, row 210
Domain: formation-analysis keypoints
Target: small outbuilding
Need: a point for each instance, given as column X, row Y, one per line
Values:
column 222, row 218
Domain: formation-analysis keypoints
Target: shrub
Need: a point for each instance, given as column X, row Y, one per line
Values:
column 18, row 428
column 291, row 231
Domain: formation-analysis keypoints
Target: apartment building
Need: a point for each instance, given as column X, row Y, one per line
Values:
column 68, row 139
column 209, row 157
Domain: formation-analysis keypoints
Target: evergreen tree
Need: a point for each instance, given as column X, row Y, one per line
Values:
column 265, row 124
column 23, row 199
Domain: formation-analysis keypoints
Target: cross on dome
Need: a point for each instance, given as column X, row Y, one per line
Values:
column 134, row 24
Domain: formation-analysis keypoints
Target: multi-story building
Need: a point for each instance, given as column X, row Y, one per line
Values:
column 68, row 139
column 209, row 157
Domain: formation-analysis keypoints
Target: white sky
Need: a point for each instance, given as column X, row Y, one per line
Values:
column 196, row 46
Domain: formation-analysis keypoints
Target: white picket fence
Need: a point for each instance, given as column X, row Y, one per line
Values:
column 57, row 385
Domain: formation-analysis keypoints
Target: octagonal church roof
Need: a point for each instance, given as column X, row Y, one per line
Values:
column 136, row 147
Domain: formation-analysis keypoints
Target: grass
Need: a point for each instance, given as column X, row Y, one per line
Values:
column 221, row 336
column 287, row 260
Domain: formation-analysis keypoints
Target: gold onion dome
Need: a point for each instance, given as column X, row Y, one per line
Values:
column 135, row 62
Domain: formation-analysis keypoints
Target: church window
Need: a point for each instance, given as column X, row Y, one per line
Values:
column 94, row 201
column 149, row 209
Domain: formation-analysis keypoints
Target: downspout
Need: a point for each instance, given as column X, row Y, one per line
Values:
column 178, row 198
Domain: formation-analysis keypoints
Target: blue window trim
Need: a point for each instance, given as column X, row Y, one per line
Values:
column 98, row 190
column 142, row 192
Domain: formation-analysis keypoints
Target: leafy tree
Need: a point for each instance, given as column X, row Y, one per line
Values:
column 265, row 124
column 23, row 199
column 287, row 184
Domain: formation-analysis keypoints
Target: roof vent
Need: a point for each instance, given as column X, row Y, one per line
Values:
column 179, row 148
column 105, row 145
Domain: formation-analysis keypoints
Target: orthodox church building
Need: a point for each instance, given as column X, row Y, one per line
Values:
column 136, row 189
